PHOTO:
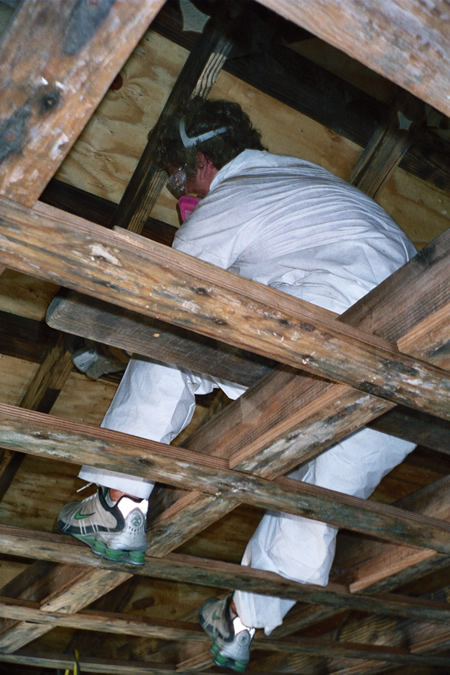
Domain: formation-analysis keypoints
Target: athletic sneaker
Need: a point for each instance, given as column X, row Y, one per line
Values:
column 231, row 640
column 116, row 533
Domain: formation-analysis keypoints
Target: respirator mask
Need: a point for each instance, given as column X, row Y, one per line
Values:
column 177, row 185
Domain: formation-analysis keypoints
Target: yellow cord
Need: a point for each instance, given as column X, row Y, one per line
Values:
column 76, row 665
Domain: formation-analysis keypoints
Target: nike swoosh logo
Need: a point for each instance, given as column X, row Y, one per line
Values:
column 216, row 618
column 81, row 516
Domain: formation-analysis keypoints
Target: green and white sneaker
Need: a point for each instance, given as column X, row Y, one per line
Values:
column 116, row 533
column 231, row 640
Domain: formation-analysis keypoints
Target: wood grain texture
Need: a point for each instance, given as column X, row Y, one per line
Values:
column 280, row 422
column 53, row 438
column 57, row 62
column 108, row 324
column 389, row 144
column 405, row 42
column 203, row 572
column 116, row 623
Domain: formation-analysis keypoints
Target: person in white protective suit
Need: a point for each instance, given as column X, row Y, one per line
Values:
column 298, row 228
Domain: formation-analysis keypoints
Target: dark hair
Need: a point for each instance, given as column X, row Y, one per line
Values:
column 201, row 116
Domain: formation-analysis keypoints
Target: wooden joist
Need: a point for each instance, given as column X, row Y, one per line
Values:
column 90, row 318
column 385, row 37
column 153, row 280
column 40, row 395
column 54, row 438
column 375, row 567
column 196, row 78
column 189, row 569
column 57, row 63
column 170, row 630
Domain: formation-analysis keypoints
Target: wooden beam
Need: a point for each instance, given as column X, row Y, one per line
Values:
column 108, row 324
column 389, row 144
column 57, row 63
column 385, row 37
column 189, row 292
column 67, row 589
column 107, row 622
column 429, row 432
column 380, row 567
column 372, row 566
column 196, row 78
column 205, row 572
column 53, row 438
column 92, row 665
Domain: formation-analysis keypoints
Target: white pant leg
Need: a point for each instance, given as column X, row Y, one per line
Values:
column 154, row 401
column 301, row 549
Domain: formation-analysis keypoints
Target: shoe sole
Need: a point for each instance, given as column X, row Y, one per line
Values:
column 101, row 550
column 226, row 661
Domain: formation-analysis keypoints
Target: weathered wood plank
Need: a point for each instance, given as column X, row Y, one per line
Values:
column 108, row 622
column 386, row 38
column 108, row 324
column 56, row 62
column 54, row 660
column 142, row 191
column 53, row 438
column 66, row 589
column 189, row 292
column 188, row 569
column 388, row 145
column 372, row 566
column 380, row 567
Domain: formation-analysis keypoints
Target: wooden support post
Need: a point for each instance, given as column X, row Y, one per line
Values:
column 389, row 144
column 196, row 78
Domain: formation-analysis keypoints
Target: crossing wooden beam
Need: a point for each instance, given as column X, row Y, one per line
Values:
column 54, row 438
column 108, row 622
column 206, row 572
column 385, row 37
column 137, row 274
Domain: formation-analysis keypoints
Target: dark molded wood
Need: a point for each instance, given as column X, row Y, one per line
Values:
column 54, row 438
column 193, row 570
column 58, row 60
column 148, row 180
column 24, row 338
column 100, row 321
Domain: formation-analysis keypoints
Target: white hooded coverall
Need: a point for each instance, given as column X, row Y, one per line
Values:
column 298, row 228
